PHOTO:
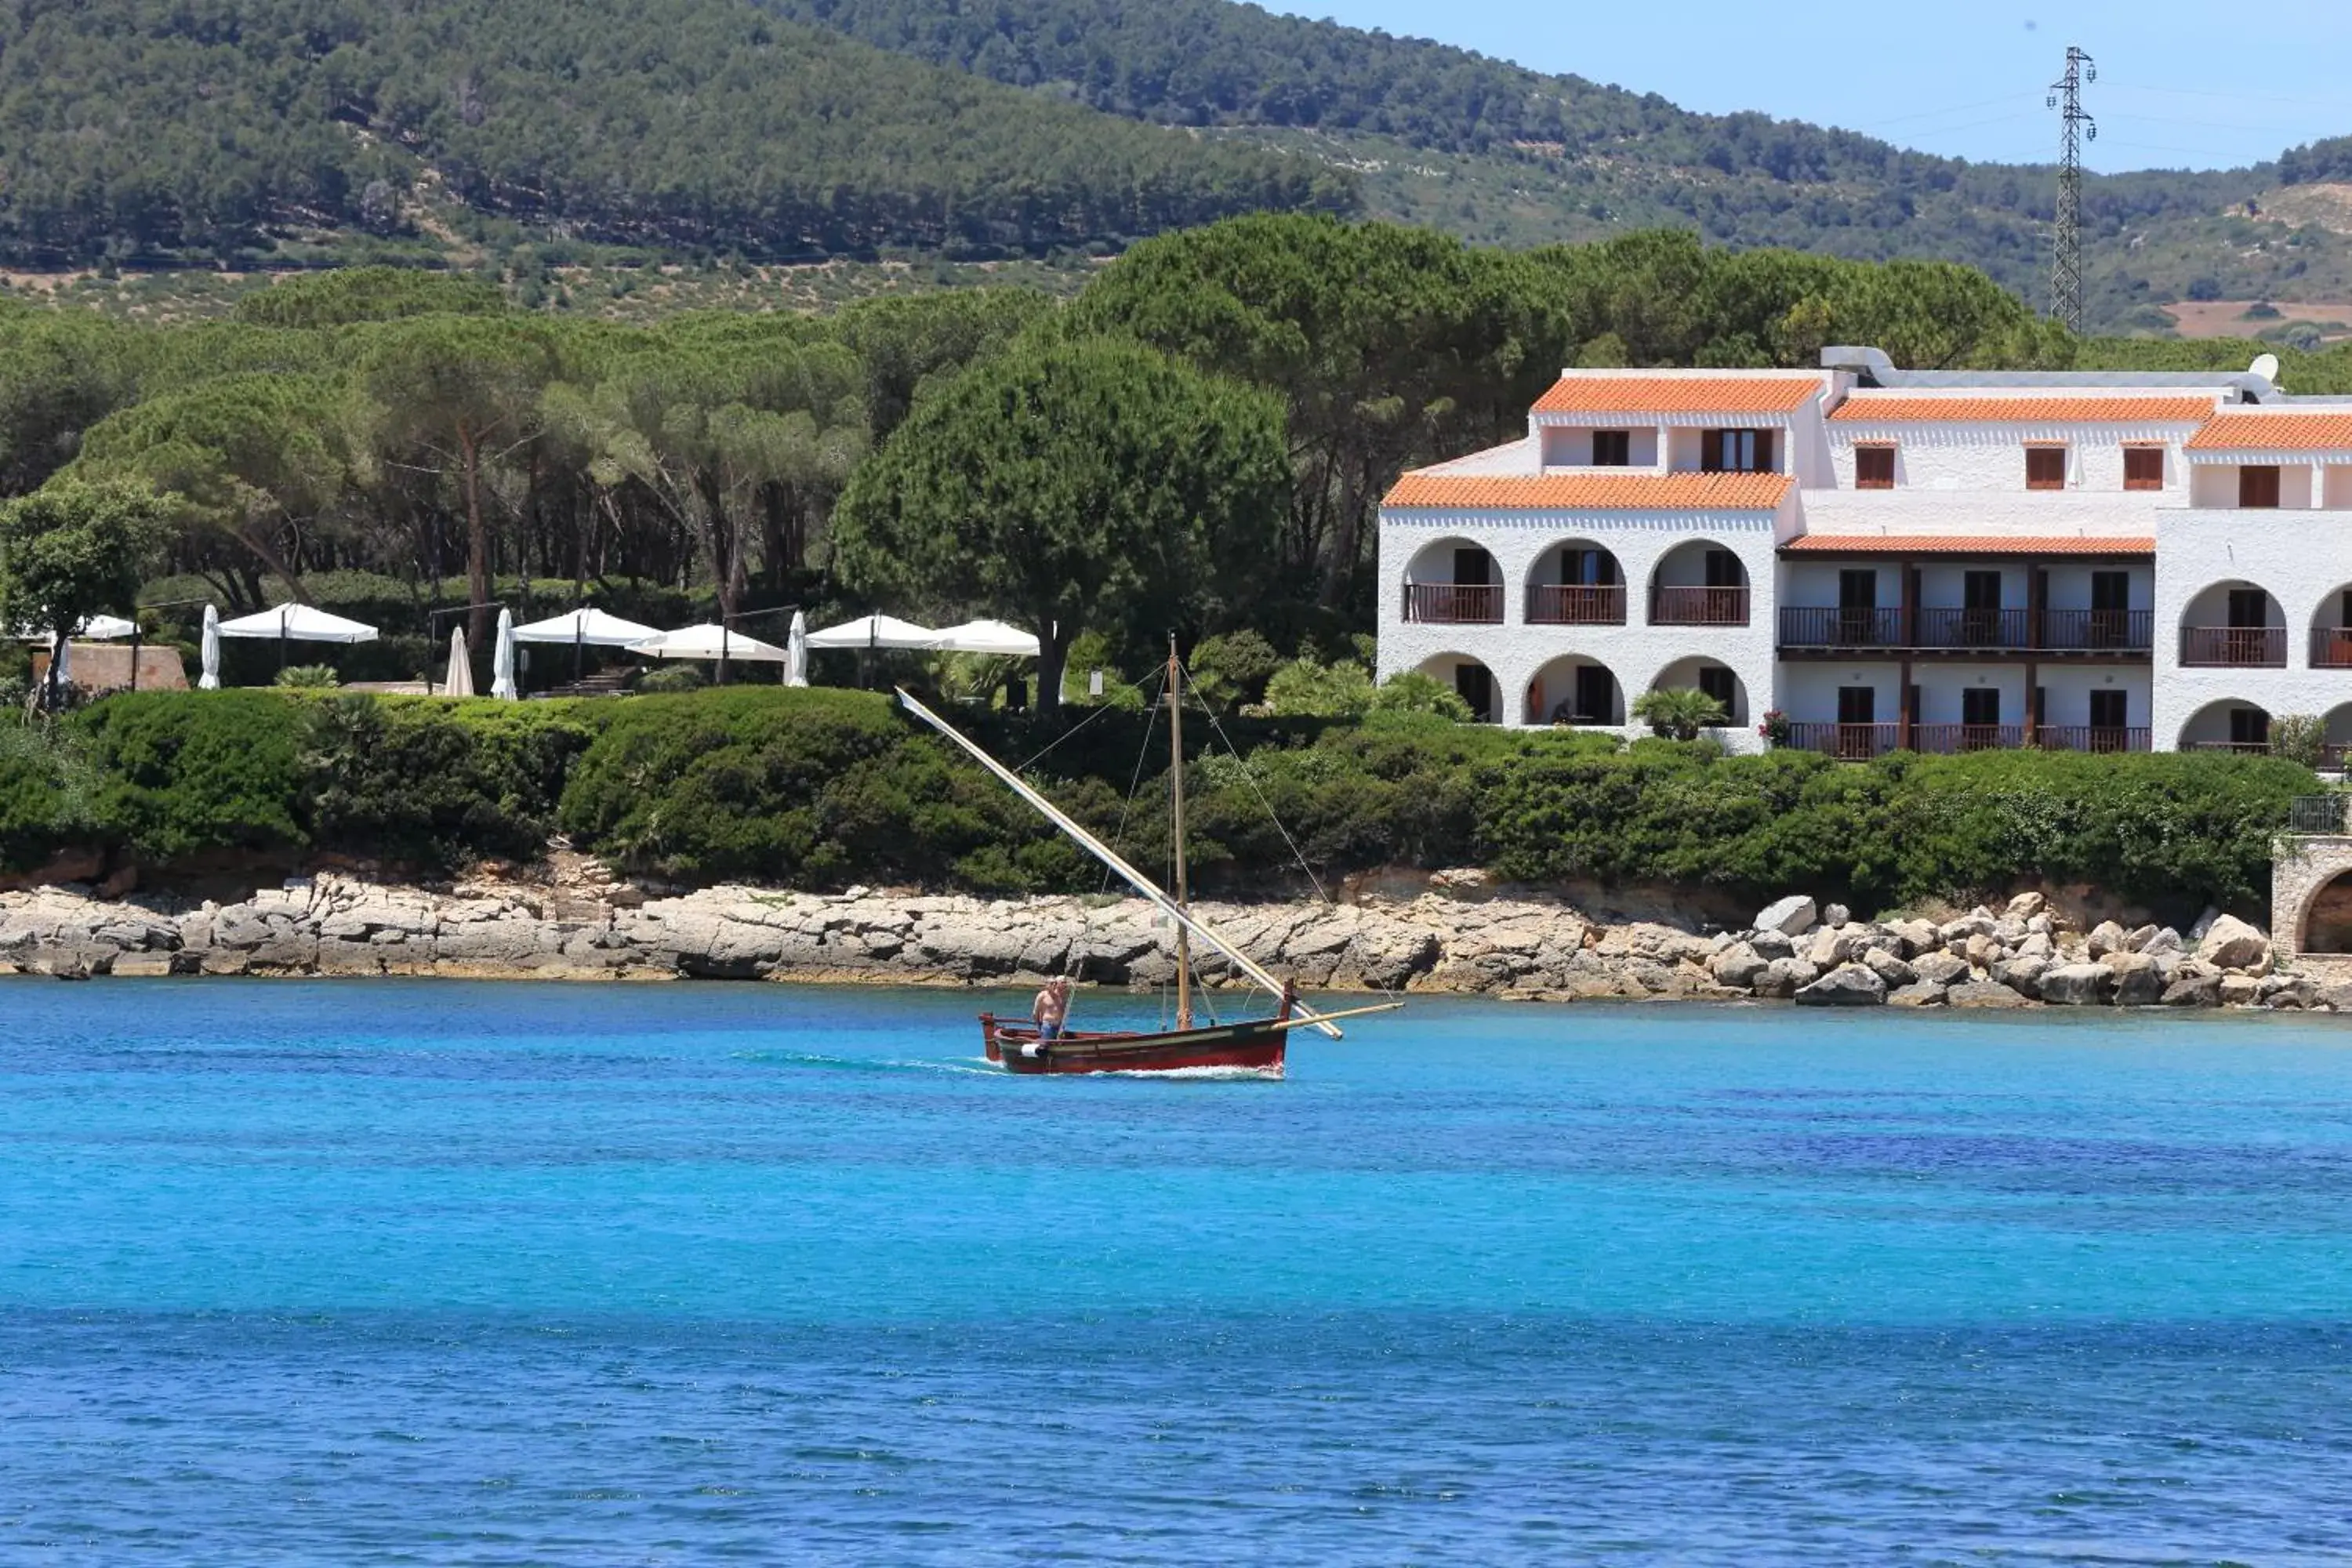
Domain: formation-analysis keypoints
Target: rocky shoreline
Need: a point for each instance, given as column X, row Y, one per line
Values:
column 1458, row 936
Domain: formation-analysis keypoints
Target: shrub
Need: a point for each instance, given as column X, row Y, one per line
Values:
column 307, row 677
column 46, row 784
column 186, row 772
column 673, row 677
column 1679, row 714
column 2299, row 738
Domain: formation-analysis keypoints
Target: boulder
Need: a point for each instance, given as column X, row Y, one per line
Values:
column 2289, row 990
column 1940, row 968
column 1836, row 915
column 1774, row 944
column 1888, row 967
column 1952, row 933
column 2240, row 990
column 2230, row 944
column 1916, row 937
column 1919, row 994
column 2078, row 985
column 2107, row 937
column 2138, row 940
column 2163, row 941
column 1982, row 952
column 2023, row 976
column 2193, row 991
column 2337, row 997
column 1738, row 965
column 2025, row 906
column 1791, row 916
column 2203, row 924
column 1847, row 985
column 2138, row 982
column 1984, row 994
column 2036, row 945
column 1829, row 949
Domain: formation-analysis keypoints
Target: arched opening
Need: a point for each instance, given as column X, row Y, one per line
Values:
column 2229, row 725
column 1453, row 582
column 1576, row 582
column 2327, row 919
column 1574, row 689
column 1471, row 680
column 2233, row 625
column 2331, row 631
column 1699, row 584
column 2336, row 737
column 1712, row 675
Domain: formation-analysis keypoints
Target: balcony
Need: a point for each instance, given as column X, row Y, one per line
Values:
column 2234, row 648
column 1698, row 606
column 1938, row 630
column 1454, row 604
column 2331, row 647
column 1860, row 743
column 1574, row 605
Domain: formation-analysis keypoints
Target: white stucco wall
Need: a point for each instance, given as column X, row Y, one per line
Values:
column 2304, row 561
column 1570, row 446
column 2068, row 513
column 1991, row 457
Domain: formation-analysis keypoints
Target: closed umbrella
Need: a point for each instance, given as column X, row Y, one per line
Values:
column 502, row 659
column 210, row 679
column 796, row 651
column 460, row 681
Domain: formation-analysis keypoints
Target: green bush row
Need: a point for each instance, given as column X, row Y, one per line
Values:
column 823, row 787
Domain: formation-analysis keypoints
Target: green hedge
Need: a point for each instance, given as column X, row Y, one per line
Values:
column 825, row 787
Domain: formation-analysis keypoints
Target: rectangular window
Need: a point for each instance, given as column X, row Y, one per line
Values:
column 1719, row 683
column 2258, row 484
column 1980, row 590
column 1475, row 684
column 1596, row 695
column 1723, row 570
column 1873, row 467
column 1857, row 705
column 2249, row 609
column 2108, row 709
column 1613, row 448
column 1583, row 568
column 1858, row 589
column 2045, row 467
column 1471, row 566
column 2143, row 467
column 1980, row 705
column 1735, row 452
column 2249, row 727
column 2111, row 590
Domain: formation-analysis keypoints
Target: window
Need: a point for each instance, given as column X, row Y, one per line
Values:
column 2249, row 608
column 1980, row 705
column 1596, row 695
column 1475, row 684
column 1857, row 705
column 1723, row 570
column 1580, row 567
column 2107, row 709
column 1471, row 567
column 2143, row 467
column 2258, row 484
column 1719, row 683
column 1735, row 452
column 2249, row 727
column 2045, row 467
column 1613, row 448
column 1873, row 467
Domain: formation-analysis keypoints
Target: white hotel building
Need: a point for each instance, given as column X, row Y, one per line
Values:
column 1936, row 561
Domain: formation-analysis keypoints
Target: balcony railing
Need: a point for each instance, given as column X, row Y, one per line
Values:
column 2090, row 738
column 1576, row 605
column 1454, row 604
column 1950, row 739
column 2021, row 631
column 1698, row 606
column 1841, row 628
column 2234, row 648
column 2244, row 748
column 1853, row 743
column 2331, row 647
column 2318, row 812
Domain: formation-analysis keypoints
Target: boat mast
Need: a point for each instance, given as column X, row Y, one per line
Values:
column 1176, row 791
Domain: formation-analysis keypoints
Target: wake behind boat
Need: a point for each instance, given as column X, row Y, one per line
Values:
column 1256, row 1044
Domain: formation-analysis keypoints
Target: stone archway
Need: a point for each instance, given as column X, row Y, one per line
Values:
column 2311, row 896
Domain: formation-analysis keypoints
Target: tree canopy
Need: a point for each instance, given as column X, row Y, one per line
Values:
column 71, row 552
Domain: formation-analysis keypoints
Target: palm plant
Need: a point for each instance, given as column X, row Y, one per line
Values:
column 1679, row 712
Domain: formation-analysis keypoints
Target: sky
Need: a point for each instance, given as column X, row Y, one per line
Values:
column 2179, row 86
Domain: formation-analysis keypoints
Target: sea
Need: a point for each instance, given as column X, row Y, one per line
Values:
column 431, row 1272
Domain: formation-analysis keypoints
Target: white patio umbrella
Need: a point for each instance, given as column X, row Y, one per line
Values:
column 460, row 679
column 97, row 628
column 986, row 636
column 210, row 679
column 502, row 659
column 584, row 628
column 874, row 632
column 298, row 622
column 710, row 640
column 796, row 651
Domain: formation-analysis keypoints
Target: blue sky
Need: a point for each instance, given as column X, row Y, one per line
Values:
column 2179, row 86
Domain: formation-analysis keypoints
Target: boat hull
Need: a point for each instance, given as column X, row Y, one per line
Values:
column 1254, row 1045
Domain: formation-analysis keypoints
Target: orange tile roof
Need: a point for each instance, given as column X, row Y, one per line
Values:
column 2068, row 410
column 1678, row 394
column 1591, row 493
column 2275, row 433
column 1967, row 544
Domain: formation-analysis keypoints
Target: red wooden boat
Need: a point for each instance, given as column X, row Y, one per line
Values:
column 1256, row 1044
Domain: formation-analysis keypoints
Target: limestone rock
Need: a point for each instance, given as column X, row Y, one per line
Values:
column 2138, row 982
column 1920, row 994
column 2036, row 945
column 1916, row 937
column 2138, row 941
column 2021, row 974
column 2163, row 941
column 1829, row 949
column 1791, row 916
column 1942, row 968
column 1888, row 967
column 2107, row 937
column 2193, row 991
column 2240, row 990
column 1982, row 951
column 2078, row 985
column 1984, row 994
column 1848, row 986
column 2025, row 906
column 2230, row 944
column 1738, row 966
column 1836, row 915
column 1774, row 944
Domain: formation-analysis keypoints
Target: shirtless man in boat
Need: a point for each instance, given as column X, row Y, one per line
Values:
column 1051, row 1010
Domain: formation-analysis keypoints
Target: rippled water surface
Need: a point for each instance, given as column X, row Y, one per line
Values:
column 428, row 1272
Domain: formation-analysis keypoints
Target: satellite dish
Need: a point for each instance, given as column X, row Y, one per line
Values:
column 2267, row 367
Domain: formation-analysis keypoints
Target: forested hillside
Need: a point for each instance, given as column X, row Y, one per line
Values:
column 145, row 130
column 1506, row 155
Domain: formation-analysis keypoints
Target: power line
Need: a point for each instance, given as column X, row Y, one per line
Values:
column 2076, row 127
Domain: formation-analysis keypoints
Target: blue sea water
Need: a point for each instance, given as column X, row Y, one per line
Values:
column 427, row 1272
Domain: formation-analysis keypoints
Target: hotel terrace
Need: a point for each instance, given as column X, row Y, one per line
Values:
column 1930, row 561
